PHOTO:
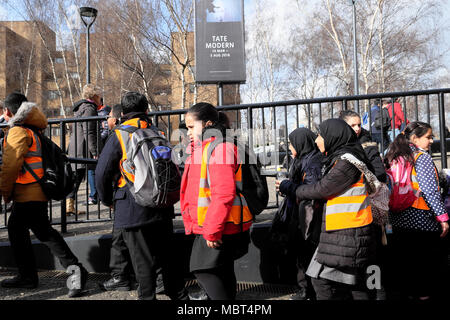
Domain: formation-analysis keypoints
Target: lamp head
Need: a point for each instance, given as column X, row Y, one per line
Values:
column 88, row 12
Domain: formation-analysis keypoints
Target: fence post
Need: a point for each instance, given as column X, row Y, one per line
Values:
column 62, row 132
column 442, row 133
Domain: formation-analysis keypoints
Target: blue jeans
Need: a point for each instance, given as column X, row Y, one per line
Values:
column 91, row 180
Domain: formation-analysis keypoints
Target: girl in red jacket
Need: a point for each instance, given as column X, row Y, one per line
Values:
column 211, row 209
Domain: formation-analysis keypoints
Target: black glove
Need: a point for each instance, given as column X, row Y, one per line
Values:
column 288, row 188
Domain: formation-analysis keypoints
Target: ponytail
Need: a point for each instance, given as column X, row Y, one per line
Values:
column 400, row 146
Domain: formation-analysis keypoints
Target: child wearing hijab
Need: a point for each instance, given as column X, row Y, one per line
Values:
column 305, row 168
column 347, row 241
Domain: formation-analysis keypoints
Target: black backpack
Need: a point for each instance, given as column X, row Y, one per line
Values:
column 58, row 180
column 254, row 185
column 386, row 120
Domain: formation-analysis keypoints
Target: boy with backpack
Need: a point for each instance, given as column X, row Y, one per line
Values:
column 23, row 159
column 145, row 223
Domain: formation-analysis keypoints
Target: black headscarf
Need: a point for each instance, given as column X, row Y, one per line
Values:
column 340, row 138
column 303, row 141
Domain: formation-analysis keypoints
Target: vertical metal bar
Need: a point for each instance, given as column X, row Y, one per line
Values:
column 275, row 135
column 320, row 112
column 99, row 126
column 309, row 116
column 370, row 115
column 393, row 119
column 238, row 125
column 382, row 128
column 87, row 172
column 417, row 109
column 428, row 109
column 344, row 104
column 250, row 128
column 405, row 111
column 62, row 143
column 156, row 121
column 332, row 110
column 286, row 140
column 75, row 125
column 50, row 202
column 169, row 127
column 298, row 120
column 264, row 137
column 442, row 131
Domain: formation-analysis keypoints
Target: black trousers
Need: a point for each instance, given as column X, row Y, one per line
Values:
column 79, row 176
column 332, row 290
column 304, row 253
column 150, row 247
column 33, row 216
column 219, row 283
column 120, row 260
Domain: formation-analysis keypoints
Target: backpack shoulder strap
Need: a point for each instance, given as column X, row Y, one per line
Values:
column 127, row 128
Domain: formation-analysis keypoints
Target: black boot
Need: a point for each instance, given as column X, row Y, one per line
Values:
column 118, row 283
column 77, row 292
column 20, row 282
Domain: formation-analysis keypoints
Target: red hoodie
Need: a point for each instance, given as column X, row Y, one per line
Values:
column 399, row 116
column 223, row 191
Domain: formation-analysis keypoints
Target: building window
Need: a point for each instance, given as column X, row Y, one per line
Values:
column 59, row 60
column 167, row 72
column 191, row 88
column 74, row 75
column 163, row 92
column 52, row 94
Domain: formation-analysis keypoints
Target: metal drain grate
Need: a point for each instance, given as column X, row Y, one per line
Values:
column 242, row 287
column 256, row 287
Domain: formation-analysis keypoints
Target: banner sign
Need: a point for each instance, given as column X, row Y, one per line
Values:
column 219, row 41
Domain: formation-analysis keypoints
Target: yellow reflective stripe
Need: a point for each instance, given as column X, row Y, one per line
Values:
column 204, row 197
column 204, row 193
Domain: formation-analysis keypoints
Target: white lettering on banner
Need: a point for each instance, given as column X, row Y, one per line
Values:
column 219, row 42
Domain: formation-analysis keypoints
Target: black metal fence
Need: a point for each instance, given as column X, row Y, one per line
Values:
column 265, row 127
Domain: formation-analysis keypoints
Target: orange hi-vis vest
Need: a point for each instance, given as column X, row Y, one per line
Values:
column 349, row 210
column 419, row 203
column 123, row 137
column 32, row 159
column 239, row 213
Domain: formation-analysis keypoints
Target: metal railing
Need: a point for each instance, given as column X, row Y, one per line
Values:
column 274, row 120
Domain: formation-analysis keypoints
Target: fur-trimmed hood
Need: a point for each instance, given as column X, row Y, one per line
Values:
column 29, row 114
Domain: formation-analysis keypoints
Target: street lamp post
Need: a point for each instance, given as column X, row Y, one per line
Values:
column 88, row 16
column 355, row 53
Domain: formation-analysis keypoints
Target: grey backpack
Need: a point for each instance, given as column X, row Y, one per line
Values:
column 157, row 179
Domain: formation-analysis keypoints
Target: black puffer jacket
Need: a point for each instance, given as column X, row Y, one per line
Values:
column 371, row 149
column 347, row 248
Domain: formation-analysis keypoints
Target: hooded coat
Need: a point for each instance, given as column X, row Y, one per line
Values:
column 371, row 149
column 86, row 143
column 16, row 147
